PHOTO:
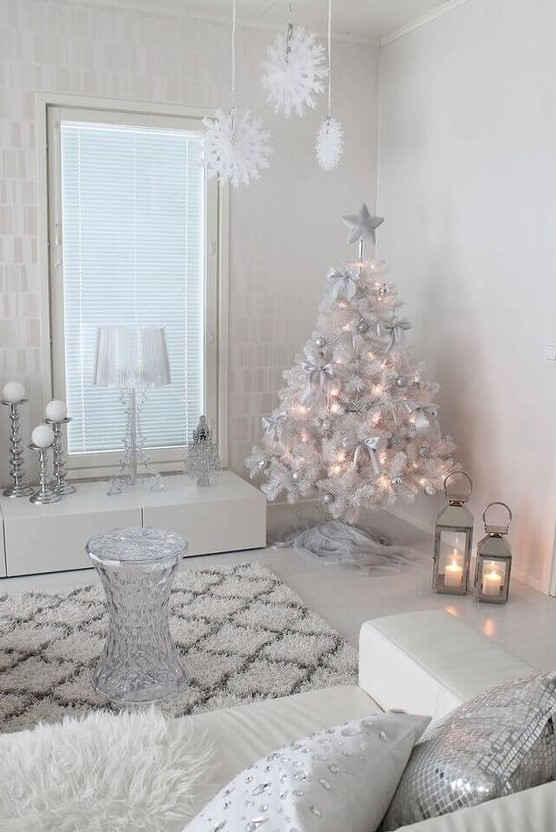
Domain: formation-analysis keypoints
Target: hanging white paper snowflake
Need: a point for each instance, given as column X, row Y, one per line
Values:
column 236, row 148
column 330, row 143
column 294, row 70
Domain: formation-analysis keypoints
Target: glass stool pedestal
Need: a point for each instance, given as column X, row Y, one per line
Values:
column 137, row 566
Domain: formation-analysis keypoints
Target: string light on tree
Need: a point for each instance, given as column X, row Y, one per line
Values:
column 367, row 434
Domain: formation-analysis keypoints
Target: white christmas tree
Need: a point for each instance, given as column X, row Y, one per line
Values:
column 357, row 421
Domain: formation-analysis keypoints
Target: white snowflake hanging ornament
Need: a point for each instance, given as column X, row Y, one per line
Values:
column 330, row 137
column 330, row 143
column 294, row 71
column 236, row 148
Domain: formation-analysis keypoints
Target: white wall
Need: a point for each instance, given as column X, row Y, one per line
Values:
column 285, row 229
column 467, row 183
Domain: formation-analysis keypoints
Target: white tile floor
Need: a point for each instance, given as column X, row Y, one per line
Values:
column 526, row 625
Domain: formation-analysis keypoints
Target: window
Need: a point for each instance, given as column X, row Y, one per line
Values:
column 133, row 240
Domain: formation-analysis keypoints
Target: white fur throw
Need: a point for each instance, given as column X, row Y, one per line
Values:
column 109, row 772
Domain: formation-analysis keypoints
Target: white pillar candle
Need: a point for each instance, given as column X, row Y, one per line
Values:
column 42, row 436
column 453, row 575
column 492, row 581
column 13, row 392
column 56, row 410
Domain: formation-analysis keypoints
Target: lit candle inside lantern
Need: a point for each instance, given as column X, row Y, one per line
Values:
column 492, row 581
column 453, row 575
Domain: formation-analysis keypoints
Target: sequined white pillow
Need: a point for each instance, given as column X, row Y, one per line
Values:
column 503, row 741
column 336, row 780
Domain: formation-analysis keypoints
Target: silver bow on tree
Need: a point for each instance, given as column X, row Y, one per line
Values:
column 424, row 417
column 360, row 448
column 273, row 425
column 316, row 375
column 344, row 281
column 395, row 331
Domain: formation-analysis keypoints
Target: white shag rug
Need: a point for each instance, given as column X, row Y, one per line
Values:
column 243, row 635
column 102, row 773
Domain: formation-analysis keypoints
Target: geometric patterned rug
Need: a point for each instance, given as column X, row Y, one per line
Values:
column 242, row 632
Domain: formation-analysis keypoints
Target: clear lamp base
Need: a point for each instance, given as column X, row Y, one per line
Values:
column 134, row 468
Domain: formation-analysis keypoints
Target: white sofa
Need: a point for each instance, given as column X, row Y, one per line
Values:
column 423, row 662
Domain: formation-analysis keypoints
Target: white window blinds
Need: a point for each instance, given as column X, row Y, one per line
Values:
column 133, row 242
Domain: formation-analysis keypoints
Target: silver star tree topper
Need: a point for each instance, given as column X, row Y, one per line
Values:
column 362, row 226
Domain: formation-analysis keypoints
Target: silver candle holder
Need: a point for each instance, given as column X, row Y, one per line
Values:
column 61, row 485
column 18, row 487
column 45, row 494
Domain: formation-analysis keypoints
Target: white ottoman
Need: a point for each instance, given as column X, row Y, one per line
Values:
column 430, row 662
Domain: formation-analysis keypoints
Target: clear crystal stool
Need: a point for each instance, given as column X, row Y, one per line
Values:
column 137, row 567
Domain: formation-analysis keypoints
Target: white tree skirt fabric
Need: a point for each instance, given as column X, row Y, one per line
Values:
column 335, row 544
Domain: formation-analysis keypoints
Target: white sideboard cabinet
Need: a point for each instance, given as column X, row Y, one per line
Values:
column 229, row 516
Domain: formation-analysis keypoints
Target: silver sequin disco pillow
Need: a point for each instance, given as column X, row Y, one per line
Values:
column 501, row 742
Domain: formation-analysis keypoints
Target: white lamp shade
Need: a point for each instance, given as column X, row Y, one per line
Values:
column 131, row 356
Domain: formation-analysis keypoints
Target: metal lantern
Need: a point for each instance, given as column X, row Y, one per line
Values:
column 452, row 540
column 494, row 561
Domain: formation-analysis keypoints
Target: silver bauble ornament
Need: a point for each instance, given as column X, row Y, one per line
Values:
column 363, row 326
column 396, row 480
column 328, row 499
column 401, row 381
column 320, row 341
column 424, row 452
column 383, row 290
column 429, row 490
column 261, row 464
column 326, row 424
column 295, row 476
column 395, row 440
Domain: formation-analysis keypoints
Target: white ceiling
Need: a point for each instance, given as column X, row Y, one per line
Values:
column 358, row 19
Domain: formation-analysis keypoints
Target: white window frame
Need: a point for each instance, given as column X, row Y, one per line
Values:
column 52, row 109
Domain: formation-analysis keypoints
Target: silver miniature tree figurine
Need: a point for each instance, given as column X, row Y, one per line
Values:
column 203, row 460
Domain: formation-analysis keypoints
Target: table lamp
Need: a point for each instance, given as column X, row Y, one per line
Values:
column 132, row 358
